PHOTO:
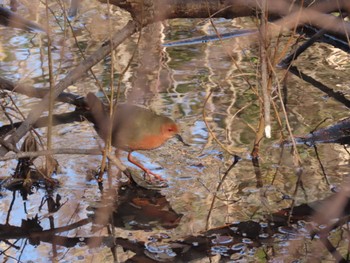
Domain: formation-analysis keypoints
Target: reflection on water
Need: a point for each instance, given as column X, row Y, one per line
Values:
column 175, row 82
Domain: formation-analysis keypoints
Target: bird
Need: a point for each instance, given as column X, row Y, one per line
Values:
column 133, row 128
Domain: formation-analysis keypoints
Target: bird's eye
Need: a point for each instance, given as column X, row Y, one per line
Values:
column 170, row 129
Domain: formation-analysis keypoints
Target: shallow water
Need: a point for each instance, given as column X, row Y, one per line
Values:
column 175, row 82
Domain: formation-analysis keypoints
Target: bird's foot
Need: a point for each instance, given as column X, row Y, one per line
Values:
column 148, row 173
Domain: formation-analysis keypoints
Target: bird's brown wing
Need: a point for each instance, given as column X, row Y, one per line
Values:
column 132, row 126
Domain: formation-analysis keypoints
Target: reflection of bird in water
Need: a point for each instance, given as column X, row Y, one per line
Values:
column 10, row 19
column 133, row 128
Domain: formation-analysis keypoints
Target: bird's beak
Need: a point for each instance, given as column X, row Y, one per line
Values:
column 178, row 136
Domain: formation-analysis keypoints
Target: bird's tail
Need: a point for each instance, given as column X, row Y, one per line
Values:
column 99, row 115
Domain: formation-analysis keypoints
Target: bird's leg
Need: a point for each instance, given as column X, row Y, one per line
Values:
column 147, row 171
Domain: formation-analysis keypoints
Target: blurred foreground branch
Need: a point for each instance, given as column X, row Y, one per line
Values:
column 40, row 92
column 8, row 18
column 294, row 13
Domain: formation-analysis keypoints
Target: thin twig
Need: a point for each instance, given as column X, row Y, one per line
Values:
column 98, row 83
column 210, row 130
column 321, row 166
column 235, row 161
column 263, row 39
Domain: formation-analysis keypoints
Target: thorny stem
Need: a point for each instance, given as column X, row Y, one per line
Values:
column 264, row 70
column 108, row 145
column 51, row 95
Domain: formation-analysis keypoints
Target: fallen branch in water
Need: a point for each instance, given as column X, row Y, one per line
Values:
column 50, row 152
column 338, row 132
column 94, row 151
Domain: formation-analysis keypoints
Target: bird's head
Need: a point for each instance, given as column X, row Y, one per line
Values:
column 169, row 129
